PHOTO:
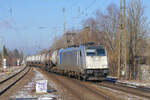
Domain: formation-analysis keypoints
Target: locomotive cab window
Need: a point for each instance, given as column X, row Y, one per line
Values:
column 90, row 52
column 100, row 52
column 96, row 52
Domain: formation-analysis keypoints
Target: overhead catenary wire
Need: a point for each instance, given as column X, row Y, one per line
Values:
column 85, row 11
column 82, row 13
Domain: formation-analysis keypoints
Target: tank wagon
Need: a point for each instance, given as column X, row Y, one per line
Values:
column 28, row 60
column 84, row 61
column 34, row 60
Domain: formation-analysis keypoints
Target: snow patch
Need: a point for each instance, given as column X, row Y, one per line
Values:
column 123, row 95
column 134, row 83
column 29, row 90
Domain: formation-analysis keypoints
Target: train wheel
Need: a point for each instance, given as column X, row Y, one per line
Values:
column 79, row 77
column 84, row 77
column 63, row 73
column 69, row 75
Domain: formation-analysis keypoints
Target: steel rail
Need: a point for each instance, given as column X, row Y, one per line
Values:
column 1, row 82
column 132, row 90
column 15, row 81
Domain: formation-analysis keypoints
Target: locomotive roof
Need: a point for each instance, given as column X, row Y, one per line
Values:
column 81, row 47
column 98, row 46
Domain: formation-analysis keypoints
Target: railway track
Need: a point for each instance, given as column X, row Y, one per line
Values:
column 79, row 89
column 142, row 88
column 92, row 89
column 10, row 81
column 131, row 90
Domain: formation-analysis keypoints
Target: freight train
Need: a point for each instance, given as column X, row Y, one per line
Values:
column 83, row 62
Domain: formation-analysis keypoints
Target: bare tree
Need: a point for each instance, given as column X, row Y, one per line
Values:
column 107, row 25
column 137, row 33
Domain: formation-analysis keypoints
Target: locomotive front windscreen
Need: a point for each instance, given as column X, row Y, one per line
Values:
column 97, row 51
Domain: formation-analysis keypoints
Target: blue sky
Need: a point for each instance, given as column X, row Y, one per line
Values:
column 30, row 25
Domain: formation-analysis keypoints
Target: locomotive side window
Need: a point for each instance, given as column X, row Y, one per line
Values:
column 80, row 54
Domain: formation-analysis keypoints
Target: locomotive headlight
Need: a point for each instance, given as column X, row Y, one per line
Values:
column 96, row 59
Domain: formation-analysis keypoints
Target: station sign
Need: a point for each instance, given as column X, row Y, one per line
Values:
column 41, row 86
